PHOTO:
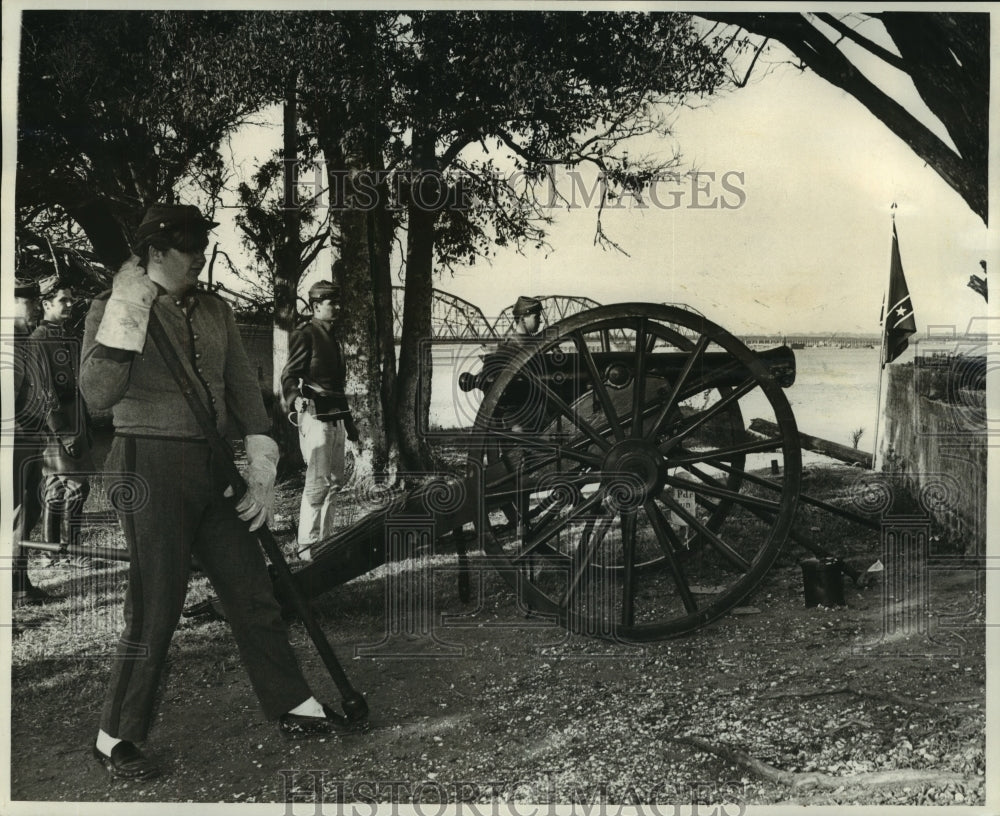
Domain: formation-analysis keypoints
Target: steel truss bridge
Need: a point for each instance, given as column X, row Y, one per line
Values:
column 455, row 320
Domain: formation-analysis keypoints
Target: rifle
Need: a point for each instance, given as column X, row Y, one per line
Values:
column 353, row 703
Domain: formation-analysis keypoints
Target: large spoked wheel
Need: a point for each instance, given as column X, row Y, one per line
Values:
column 625, row 461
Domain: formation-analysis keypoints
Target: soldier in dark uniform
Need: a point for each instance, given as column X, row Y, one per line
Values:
column 522, row 409
column 181, row 508
column 67, row 459
column 527, row 320
column 312, row 383
column 31, row 403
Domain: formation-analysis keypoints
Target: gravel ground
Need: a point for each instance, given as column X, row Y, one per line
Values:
column 498, row 707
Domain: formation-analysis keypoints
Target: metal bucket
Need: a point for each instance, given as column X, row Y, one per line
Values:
column 823, row 581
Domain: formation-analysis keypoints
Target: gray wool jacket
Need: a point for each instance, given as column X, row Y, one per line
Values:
column 140, row 390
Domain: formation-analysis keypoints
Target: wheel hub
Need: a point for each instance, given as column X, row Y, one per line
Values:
column 633, row 471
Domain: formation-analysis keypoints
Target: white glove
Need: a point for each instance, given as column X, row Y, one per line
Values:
column 257, row 505
column 126, row 315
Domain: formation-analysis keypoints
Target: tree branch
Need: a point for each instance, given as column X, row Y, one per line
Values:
column 873, row 48
column 456, row 147
column 310, row 256
column 746, row 78
column 895, row 778
column 827, row 61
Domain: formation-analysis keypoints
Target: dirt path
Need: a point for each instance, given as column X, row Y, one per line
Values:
column 499, row 707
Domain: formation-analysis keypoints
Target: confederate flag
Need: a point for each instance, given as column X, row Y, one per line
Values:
column 898, row 324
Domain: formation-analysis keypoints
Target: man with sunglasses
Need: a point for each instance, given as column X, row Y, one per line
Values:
column 172, row 501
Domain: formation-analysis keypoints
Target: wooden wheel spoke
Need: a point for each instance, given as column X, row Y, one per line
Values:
column 546, row 510
column 560, row 523
column 702, row 417
column 675, row 391
column 597, row 383
column 548, row 507
column 717, row 454
column 671, row 545
column 581, row 560
column 805, row 498
column 566, row 410
column 545, row 442
column 639, row 392
column 720, row 491
column 548, row 522
column 625, row 420
column 723, row 548
column 766, row 514
column 511, row 476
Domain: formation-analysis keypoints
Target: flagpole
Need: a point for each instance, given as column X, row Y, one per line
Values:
column 881, row 354
column 878, row 399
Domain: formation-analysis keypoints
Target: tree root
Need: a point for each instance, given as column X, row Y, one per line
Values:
column 796, row 780
column 886, row 696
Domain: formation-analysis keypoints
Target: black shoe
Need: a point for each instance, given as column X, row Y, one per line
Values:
column 297, row 726
column 32, row 596
column 126, row 762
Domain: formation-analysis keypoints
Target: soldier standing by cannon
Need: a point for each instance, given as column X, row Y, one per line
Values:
column 312, row 383
column 527, row 321
column 524, row 411
column 187, row 511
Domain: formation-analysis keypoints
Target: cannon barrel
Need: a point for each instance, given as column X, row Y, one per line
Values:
column 569, row 376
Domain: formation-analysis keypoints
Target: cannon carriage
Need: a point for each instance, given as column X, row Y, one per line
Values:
column 611, row 477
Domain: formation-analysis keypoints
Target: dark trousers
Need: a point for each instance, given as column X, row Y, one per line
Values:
column 27, row 503
column 171, row 507
column 67, row 485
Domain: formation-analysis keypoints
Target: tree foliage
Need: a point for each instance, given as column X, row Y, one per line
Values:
column 120, row 108
column 498, row 98
column 116, row 109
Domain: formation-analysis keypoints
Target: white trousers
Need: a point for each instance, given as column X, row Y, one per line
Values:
column 322, row 446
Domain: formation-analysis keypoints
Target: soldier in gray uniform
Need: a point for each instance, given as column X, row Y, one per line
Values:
column 174, row 503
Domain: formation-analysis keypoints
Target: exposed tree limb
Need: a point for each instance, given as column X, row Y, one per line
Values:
column 887, row 696
column 742, row 83
column 894, row 778
column 873, row 48
column 967, row 79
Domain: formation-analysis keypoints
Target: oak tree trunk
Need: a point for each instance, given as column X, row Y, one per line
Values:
column 288, row 270
column 414, row 387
